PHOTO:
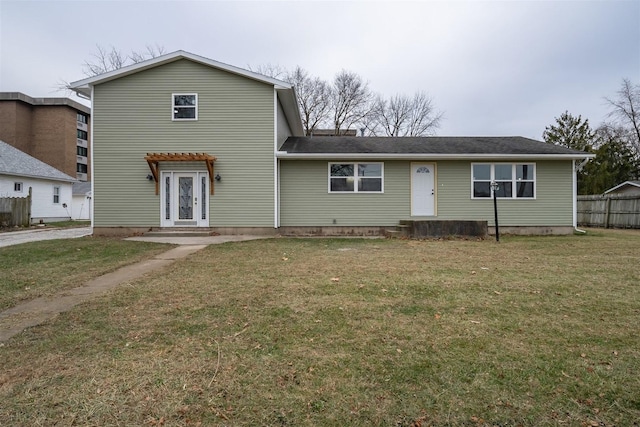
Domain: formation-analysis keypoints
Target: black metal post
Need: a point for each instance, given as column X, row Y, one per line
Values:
column 495, row 211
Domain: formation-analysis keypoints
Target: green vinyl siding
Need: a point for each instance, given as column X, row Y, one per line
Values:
column 132, row 116
column 552, row 206
column 305, row 200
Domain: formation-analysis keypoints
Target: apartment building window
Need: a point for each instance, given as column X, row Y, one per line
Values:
column 81, row 168
column 81, row 151
column 82, row 118
column 17, row 187
column 184, row 106
column 82, row 134
column 56, row 195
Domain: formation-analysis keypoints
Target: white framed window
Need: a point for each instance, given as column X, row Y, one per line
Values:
column 17, row 187
column 356, row 177
column 56, row 195
column 515, row 180
column 184, row 106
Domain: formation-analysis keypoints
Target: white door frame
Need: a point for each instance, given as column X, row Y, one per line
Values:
column 169, row 199
column 424, row 207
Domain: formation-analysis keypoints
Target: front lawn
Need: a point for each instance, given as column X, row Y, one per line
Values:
column 347, row 332
column 35, row 269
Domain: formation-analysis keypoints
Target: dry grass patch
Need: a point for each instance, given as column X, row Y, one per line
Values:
column 288, row 332
column 35, row 269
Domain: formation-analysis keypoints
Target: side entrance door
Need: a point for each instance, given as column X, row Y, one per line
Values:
column 422, row 189
column 185, row 199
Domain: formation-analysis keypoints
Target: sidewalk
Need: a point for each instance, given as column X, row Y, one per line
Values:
column 32, row 313
column 11, row 238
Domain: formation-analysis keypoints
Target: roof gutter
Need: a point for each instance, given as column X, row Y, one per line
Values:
column 428, row 156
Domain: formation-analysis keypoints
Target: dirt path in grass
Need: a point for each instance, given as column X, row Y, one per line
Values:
column 37, row 311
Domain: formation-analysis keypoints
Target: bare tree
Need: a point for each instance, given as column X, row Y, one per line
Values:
column 105, row 60
column 270, row 70
column 151, row 52
column 314, row 99
column 626, row 108
column 351, row 100
column 401, row 115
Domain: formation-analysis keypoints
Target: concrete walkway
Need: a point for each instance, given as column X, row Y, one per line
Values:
column 32, row 313
column 11, row 238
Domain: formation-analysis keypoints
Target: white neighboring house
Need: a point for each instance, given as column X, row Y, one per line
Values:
column 82, row 201
column 51, row 190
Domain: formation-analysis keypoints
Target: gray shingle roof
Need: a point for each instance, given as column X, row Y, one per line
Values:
column 18, row 163
column 81, row 188
column 434, row 145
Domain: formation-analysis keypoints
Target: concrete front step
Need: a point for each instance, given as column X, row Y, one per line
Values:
column 180, row 233
column 418, row 229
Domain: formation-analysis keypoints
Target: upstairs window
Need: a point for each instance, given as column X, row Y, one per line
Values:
column 82, row 134
column 184, row 106
column 82, row 118
column 355, row 177
column 17, row 187
column 81, row 151
column 515, row 181
column 56, row 195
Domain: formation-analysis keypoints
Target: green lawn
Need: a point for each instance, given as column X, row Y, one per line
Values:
column 335, row 332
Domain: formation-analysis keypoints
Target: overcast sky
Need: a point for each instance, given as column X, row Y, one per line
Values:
column 493, row 67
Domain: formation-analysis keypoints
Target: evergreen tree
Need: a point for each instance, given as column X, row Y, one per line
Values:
column 615, row 162
column 570, row 132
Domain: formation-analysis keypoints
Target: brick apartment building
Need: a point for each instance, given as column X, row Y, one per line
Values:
column 53, row 130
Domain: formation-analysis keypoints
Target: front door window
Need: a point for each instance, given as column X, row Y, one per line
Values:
column 185, row 198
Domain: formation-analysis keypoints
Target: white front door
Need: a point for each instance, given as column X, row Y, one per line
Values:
column 185, row 199
column 422, row 189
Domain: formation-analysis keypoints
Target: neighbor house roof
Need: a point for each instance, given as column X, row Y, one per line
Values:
column 624, row 184
column 81, row 188
column 285, row 90
column 17, row 163
column 431, row 147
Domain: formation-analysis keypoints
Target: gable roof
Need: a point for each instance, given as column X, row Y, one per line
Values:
column 285, row 90
column 624, row 184
column 17, row 163
column 430, row 147
column 81, row 188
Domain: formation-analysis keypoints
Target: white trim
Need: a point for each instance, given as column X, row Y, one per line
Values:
column 174, row 106
column 91, row 150
column 435, row 188
column 276, row 164
column 427, row 156
column 197, row 202
column 172, row 57
column 633, row 184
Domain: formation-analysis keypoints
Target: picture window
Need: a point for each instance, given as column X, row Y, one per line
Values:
column 356, row 177
column 515, row 181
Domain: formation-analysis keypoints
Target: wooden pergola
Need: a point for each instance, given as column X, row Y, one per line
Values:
column 154, row 159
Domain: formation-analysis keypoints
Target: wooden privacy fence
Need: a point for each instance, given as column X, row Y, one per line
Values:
column 609, row 211
column 15, row 211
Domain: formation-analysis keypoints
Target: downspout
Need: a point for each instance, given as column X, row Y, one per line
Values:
column 92, row 201
column 276, row 163
column 576, row 169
